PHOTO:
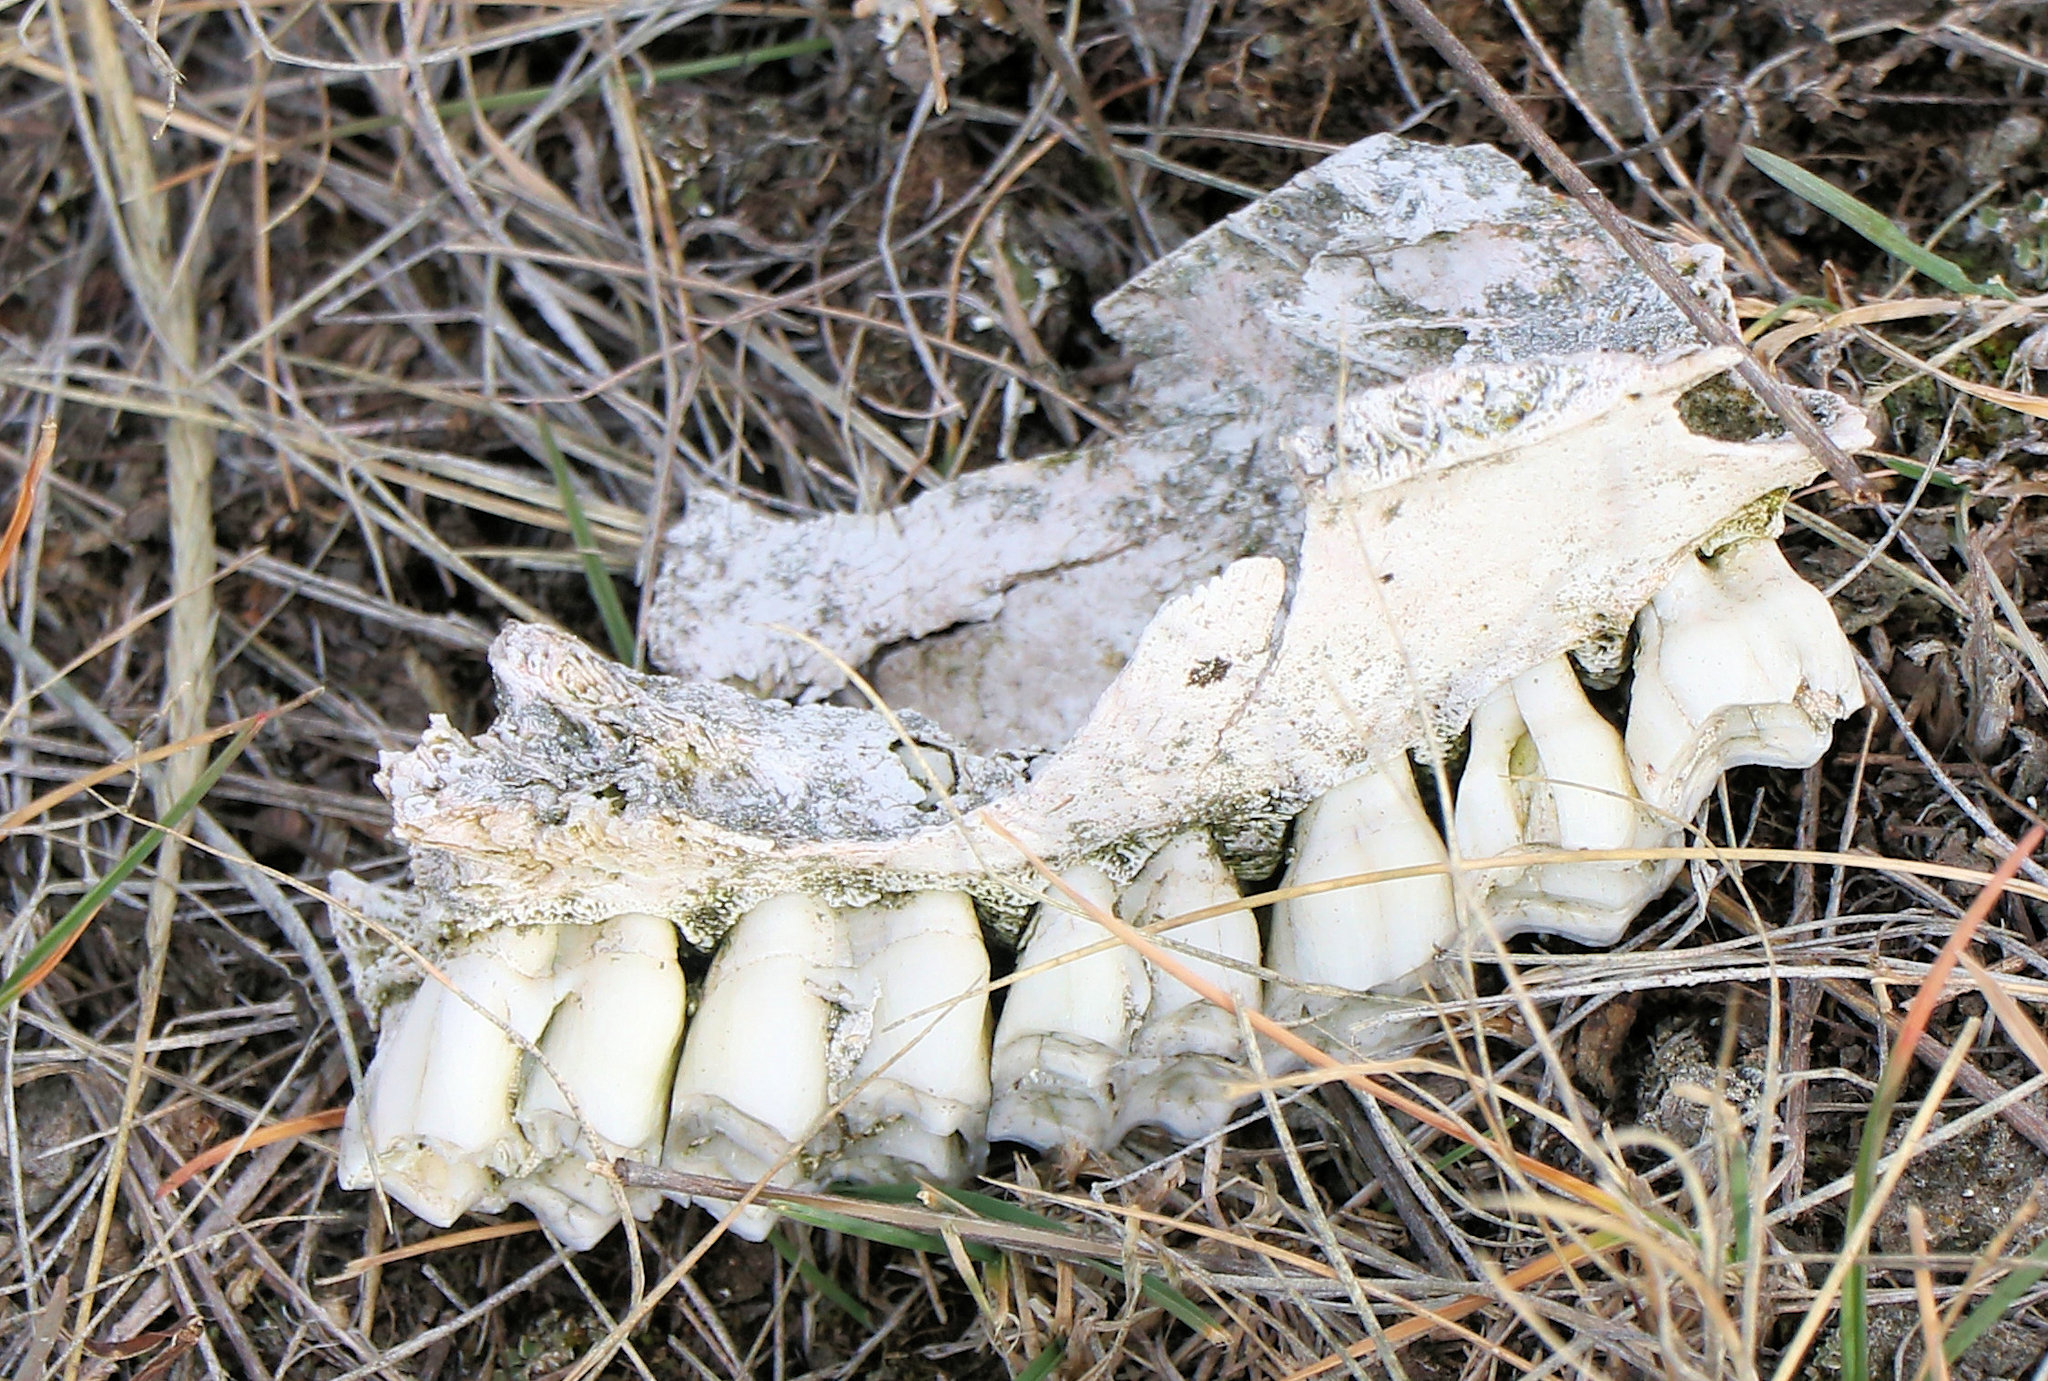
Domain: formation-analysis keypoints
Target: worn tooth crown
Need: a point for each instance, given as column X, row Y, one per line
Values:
column 1739, row 662
column 1362, row 938
column 437, row 1116
column 753, row 1085
column 1185, row 1058
column 1547, row 771
column 918, row 1090
column 613, row 1041
column 1066, row 1024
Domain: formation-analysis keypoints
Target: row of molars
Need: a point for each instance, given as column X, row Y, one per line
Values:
column 883, row 1007
column 1738, row 662
column 883, row 1010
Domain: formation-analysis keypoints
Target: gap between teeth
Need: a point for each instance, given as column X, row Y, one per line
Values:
column 835, row 1045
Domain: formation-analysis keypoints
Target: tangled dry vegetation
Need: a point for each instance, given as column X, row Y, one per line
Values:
column 286, row 295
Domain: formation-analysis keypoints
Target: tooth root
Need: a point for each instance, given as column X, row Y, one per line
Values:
column 754, row 1078
column 1185, row 1056
column 1063, row 1031
column 1367, row 937
column 918, row 1091
column 434, row 1123
column 1547, row 771
column 613, row 1041
column 1738, row 662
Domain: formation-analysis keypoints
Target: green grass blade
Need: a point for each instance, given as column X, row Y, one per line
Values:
column 1992, row 1307
column 1040, row 1367
column 888, row 1234
column 525, row 97
column 1870, row 223
column 617, row 626
column 1153, row 1286
column 1738, row 1201
column 65, row 932
column 1855, row 1325
column 1913, row 470
column 819, row 1281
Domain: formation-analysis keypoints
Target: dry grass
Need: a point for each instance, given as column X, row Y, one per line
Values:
column 296, row 285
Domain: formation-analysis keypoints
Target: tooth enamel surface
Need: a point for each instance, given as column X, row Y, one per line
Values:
column 1547, row 771
column 1064, row 1030
column 613, row 1041
column 437, row 1115
column 918, row 1092
column 1366, row 937
column 1187, row 1053
column 754, row 1082
column 1738, row 662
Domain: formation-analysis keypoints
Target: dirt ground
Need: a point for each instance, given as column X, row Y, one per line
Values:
column 350, row 255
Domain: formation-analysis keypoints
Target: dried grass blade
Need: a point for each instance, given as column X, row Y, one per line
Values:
column 1782, row 339
column 252, row 1140
column 447, row 1241
column 2026, row 404
column 1521, row 1278
column 77, row 786
column 1862, row 1220
column 1923, row 1292
column 2018, row 1025
column 25, row 500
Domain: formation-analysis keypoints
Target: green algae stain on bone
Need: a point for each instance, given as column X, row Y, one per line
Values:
column 1724, row 410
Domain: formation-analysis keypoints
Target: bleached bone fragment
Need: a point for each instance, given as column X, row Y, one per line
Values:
column 1546, row 771
column 915, row 1031
column 1738, row 662
column 1065, row 1029
column 1188, row 1053
column 1371, row 937
column 1009, row 597
column 755, row 1082
column 434, row 1125
column 613, row 1041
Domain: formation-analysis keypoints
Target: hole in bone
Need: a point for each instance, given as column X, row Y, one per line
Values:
column 929, row 767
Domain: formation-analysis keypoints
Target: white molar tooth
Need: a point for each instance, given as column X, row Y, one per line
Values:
column 436, row 1115
column 918, row 1091
column 1186, row 1055
column 613, row 1041
column 1547, row 771
column 754, row 1077
column 1064, row 1031
column 1367, row 937
column 1738, row 662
